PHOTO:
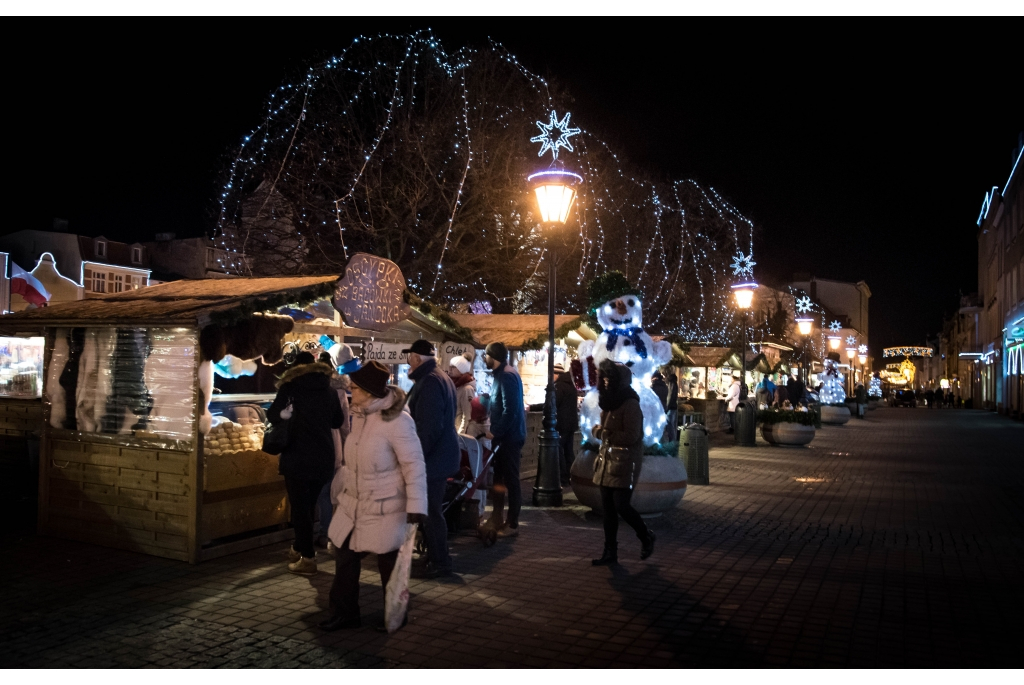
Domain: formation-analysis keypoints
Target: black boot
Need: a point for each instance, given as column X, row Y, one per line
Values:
column 647, row 546
column 610, row 556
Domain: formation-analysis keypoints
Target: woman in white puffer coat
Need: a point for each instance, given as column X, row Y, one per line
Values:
column 381, row 486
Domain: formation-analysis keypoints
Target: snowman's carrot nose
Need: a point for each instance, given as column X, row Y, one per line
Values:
column 620, row 307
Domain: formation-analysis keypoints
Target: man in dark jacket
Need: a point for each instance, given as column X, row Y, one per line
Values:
column 660, row 388
column 795, row 391
column 432, row 406
column 508, row 435
column 567, row 410
column 307, row 463
column 671, row 408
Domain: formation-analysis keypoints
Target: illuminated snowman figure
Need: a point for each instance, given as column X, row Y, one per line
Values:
column 623, row 340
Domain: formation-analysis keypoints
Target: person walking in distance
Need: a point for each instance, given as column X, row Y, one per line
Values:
column 460, row 371
column 431, row 403
column 308, row 460
column 507, row 435
column 672, row 408
column 381, row 486
column 568, row 418
column 733, row 401
column 621, row 433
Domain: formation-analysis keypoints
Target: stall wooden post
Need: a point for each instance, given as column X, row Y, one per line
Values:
column 195, row 509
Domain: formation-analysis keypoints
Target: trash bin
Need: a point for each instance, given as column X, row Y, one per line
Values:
column 693, row 450
column 745, row 424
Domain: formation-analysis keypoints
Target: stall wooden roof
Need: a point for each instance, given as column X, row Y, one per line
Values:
column 178, row 302
column 707, row 356
column 515, row 330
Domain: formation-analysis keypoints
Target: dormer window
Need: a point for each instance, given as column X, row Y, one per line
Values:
column 101, row 249
column 136, row 255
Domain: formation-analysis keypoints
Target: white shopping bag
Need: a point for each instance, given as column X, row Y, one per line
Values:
column 396, row 596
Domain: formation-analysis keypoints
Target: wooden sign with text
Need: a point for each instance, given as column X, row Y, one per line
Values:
column 369, row 295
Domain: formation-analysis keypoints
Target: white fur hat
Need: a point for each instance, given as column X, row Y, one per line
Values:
column 461, row 363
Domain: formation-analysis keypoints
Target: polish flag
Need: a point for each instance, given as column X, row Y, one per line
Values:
column 28, row 286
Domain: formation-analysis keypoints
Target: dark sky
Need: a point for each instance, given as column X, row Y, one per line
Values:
column 862, row 149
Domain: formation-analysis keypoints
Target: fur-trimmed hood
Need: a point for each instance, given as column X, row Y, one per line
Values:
column 341, row 381
column 389, row 406
column 302, row 370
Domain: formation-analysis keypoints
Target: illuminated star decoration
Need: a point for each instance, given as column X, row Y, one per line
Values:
column 743, row 266
column 863, row 349
column 834, row 326
column 804, row 304
column 549, row 139
column 851, row 340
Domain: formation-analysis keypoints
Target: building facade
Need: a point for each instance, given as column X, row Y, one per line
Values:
column 72, row 267
column 188, row 258
column 999, row 358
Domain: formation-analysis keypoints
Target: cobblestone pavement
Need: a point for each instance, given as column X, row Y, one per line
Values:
column 895, row 541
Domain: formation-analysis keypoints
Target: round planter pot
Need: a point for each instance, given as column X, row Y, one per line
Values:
column 787, row 433
column 834, row 416
column 661, row 487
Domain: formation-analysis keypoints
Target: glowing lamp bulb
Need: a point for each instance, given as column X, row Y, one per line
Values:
column 851, row 352
column 834, row 341
column 555, row 190
column 804, row 326
column 862, row 358
column 744, row 294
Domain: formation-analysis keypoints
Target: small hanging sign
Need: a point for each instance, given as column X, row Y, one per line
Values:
column 369, row 295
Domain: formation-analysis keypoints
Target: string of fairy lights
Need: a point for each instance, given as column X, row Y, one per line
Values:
column 675, row 243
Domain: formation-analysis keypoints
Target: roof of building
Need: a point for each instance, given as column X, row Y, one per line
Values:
column 515, row 330
column 184, row 302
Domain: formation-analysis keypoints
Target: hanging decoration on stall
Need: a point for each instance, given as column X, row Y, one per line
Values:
column 369, row 295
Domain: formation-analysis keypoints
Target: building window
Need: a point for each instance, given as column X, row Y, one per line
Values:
column 117, row 281
column 99, row 282
column 101, row 249
column 136, row 255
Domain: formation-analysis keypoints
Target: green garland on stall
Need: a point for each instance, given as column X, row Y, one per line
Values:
column 439, row 316
column 247, row 307
column 560, row 332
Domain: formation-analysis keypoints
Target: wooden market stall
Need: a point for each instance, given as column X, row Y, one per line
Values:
column 141, row 448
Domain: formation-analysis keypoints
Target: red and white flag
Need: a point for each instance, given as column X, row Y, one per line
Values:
column 28, row 286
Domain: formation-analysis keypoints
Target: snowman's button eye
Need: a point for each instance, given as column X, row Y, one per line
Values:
column 626, row 342
column 632, row 302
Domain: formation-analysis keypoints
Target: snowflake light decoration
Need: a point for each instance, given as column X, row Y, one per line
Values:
column 804, row 304
column 555, row 134
column 834, row 326
column 743, row 265
column 851, row 340
column 863, row 349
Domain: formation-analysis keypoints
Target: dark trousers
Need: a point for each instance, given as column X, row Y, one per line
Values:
column 506, row 480
column 302, row 496
column 615, row 502
column 732, row 421
column 568, row 455
column 435, row 529
column 344, row 595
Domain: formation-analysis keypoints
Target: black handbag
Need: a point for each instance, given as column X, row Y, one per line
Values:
column 277, row 435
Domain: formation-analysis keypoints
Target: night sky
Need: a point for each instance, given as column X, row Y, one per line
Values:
column 861, row 149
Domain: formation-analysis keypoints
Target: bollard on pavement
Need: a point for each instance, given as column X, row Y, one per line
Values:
column 693, row 450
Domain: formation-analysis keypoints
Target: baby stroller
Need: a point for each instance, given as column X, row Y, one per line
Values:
column 466, row 494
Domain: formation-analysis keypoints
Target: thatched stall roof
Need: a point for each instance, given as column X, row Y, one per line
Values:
column 520, row 331
column 707, row 356
column 198, row 302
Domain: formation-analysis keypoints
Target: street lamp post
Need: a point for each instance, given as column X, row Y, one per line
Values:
column 804, row 325
column 851, row 352
column 555, row 190
column 744, row 434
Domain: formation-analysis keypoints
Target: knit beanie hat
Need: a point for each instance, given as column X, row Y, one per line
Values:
column 461, row 364
column 498, row 352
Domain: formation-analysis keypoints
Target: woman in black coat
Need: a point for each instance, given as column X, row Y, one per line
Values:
column 307, row 463
column 621, row 427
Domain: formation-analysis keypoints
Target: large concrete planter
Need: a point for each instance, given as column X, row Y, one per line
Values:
column 834, row 416
column 787, row 433
column 661, row 487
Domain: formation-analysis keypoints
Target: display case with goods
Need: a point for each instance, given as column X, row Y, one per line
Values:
column 21, row 372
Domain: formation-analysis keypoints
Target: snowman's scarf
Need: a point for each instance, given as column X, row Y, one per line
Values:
column 635, row 335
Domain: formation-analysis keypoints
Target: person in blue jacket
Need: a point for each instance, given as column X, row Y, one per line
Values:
column 432, row 406
column 507, row 435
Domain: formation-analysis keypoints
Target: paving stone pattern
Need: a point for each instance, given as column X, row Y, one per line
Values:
column 895, row 541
